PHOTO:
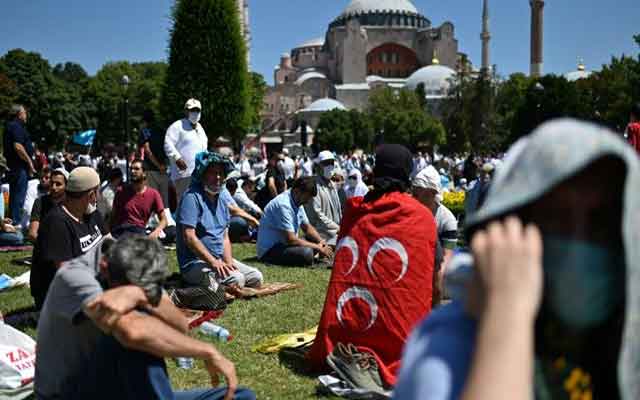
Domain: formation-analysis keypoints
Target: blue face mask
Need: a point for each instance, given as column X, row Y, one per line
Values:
column 584, row 282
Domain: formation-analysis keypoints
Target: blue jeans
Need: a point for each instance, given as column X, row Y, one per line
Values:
column 293, row 256
column 11, row 239
column 238, row 228
column 18, row 183
column 115, row 372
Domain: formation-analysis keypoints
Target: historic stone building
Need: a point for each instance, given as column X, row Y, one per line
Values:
column 371, row 43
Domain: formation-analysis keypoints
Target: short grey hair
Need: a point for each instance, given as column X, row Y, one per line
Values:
column 16, row 109
column 141, row 261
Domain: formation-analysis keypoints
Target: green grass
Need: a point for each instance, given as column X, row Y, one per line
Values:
column 248, row 321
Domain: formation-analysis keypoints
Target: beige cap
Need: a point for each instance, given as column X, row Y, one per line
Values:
column 191, row 104
column 82, row 179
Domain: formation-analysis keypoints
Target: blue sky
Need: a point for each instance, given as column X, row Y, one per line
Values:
column 93, row 32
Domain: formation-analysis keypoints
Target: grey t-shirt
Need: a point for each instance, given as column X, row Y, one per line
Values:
column 66, row 336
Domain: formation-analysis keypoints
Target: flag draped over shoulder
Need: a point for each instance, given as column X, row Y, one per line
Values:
column 381, row 283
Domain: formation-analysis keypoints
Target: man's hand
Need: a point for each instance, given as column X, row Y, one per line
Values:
column 254, row 223
column 109, row 306
column 222, row 268
column 220, row 365
column 181, row 164
column 8, row 228
column 32, row 170
column 325, row 250
column 508, row 259
column 155, row 234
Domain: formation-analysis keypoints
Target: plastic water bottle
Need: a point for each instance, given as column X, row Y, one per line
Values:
column 184, row 362
column 215, row 331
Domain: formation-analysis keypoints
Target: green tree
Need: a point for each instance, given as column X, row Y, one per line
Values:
column 401, row 116
column 106, row 94
column 207, row 60
column 258, row 89
column 343, row 131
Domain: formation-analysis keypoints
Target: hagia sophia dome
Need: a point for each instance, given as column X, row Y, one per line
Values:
column 580, row 73
column 369, row 6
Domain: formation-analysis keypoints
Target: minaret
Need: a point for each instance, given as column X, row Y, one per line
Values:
column 537, row 37
column 245, row 28
column 485, row 36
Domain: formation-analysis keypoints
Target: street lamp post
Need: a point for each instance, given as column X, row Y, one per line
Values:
column 125, row 85
column 539, row 88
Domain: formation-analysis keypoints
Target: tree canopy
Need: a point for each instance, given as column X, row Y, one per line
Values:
column 207, row 61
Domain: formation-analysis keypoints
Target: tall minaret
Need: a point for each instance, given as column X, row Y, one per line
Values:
column 245, row 27
column 537, row 37
column 485, row 36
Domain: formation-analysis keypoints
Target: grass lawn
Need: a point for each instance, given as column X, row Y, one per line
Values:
column 248, row 321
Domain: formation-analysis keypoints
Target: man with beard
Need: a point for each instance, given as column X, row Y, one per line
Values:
column 68, row 231
column 46, row 203
column 135, row 203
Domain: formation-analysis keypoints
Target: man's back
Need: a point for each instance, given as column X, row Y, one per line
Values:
column 66, row 337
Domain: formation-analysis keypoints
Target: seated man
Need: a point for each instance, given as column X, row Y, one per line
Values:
column 107, row 192
column 46, row 203
column 9, row 235
column 278, row 241
column 244, row 195
column 68, row 231
column 381, row 283
column 110, row 345
column 325, row 210
column 242, row 225
column 203, row 217
column 134, row 204
column 427, row 190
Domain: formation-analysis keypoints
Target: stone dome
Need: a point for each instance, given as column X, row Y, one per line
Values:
column 436, row 79
column 370, row 6
column 324, row 105
column 317, row 42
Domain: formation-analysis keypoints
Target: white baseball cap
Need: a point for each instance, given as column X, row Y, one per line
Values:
column 191, row 104
column 324, row 156
column 285, row 152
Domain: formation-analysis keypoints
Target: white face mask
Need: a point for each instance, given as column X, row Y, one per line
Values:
column 213, row 191
column 327, row 171
column 194, row 116
column 91, row 208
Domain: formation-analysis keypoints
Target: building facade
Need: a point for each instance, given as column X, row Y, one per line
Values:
column 372, row 43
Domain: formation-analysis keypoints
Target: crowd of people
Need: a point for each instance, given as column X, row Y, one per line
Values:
column 546, row 286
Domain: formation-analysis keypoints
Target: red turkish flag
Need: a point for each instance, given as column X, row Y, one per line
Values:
column 381, row 283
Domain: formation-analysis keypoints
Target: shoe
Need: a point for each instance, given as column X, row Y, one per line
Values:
column 358, row 369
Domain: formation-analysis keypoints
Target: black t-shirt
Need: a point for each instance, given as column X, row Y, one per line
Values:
column 264, row 195
column 61, row 238
column 41, row 208
column 156, row 143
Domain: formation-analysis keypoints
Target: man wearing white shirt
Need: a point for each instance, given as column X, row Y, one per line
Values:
column 185, row 138
column 289, row 167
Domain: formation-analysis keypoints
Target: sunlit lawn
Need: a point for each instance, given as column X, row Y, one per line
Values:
column 248, row 321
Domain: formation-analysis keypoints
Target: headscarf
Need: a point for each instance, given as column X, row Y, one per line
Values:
column 392, row 171
column 553, row 153
column 206, row 158
column 357, row 190
column 429, row 178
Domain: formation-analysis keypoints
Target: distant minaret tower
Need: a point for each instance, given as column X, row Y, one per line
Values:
column 537, row 37
column 485, row 36
column 245, row 27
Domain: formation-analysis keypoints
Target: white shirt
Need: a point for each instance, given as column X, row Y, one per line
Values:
column 307, row 168
column 245, row 168
column 244, row 201
column 184, row 142
column 289, row 168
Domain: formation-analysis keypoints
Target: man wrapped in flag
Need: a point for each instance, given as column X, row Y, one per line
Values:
column 381, row 283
